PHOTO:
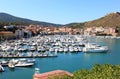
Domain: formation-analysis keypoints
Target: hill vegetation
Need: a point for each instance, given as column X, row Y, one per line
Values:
column 75, row 25
column 106, row 71
column 110, row 20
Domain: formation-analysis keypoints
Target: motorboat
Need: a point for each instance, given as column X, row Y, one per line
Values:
column 4, row 62
column 51, row 50
column 93, row 48
column 24, row 63
column 12, row 63
column 71, row 49
column 32, row 48
column 61, row 49
column 66, row 49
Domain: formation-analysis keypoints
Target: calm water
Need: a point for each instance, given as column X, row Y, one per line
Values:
column 69, row 62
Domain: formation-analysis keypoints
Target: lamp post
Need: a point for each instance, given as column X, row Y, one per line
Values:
column 37, row 70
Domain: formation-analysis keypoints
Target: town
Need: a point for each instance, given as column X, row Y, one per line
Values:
column 16, row 32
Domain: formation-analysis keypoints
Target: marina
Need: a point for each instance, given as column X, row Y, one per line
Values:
column 68, row 52
column 59, row 39
column 42, row 46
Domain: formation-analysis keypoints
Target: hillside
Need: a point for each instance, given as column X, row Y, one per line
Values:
column 110, row 20
column 7, row 18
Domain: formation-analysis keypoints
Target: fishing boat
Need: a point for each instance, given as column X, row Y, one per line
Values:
column 93, row 48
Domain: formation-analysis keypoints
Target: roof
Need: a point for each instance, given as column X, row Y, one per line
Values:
column 6, row 32
column 52, row 73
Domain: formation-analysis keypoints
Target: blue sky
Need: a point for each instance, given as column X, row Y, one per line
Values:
column 60, row 11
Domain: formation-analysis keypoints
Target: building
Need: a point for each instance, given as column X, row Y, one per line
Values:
column 19, row 33
column 28, row 33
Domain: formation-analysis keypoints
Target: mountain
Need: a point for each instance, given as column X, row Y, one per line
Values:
column 109, row 20
column 7, row 18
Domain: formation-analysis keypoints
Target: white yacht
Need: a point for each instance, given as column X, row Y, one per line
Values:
column 93, row 48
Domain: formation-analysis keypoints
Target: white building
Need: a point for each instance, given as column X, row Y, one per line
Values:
column 19, row 33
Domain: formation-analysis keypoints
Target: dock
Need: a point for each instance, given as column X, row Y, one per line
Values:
column 28, row 56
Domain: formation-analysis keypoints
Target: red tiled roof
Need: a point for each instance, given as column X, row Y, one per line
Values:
column 52, row 73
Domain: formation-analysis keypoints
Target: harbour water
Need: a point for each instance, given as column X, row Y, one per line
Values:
column 69, row 61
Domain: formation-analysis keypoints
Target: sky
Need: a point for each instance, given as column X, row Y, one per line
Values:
column 60, row 11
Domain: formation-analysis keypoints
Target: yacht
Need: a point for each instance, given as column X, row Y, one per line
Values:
column 93, row 48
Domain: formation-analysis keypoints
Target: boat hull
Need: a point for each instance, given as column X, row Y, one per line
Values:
column 95, row 51
column 24, row 65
